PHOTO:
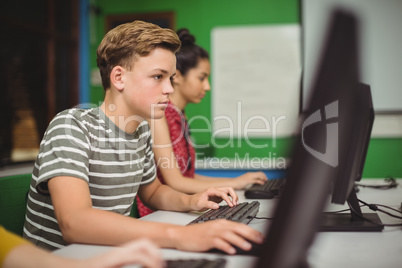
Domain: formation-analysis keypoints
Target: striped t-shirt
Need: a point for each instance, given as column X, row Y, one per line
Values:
column 86, row 144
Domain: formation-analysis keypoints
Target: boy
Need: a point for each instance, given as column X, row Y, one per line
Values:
column 92, row 163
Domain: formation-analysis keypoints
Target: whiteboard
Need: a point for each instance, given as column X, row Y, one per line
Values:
column 380, row 50
column 256, row 72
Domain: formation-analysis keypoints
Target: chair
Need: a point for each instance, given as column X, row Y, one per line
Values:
column 134, row 210
column 13, row 199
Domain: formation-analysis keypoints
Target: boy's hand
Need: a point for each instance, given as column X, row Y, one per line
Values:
column 219, row 234
column 211, row 198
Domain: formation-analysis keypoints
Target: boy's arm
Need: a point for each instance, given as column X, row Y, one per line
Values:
column 158, row 196
column 80, row 223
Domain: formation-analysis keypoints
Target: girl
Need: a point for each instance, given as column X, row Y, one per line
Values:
column 174, row 153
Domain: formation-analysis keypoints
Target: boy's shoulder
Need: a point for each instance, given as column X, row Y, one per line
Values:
column 78, row 113
column 77, row 117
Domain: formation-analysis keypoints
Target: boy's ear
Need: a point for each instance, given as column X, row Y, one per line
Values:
column 116, row 77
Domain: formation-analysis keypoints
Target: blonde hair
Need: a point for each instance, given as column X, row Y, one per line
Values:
column 124, row 43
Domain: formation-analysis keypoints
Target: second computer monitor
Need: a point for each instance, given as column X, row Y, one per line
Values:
column 322, row 150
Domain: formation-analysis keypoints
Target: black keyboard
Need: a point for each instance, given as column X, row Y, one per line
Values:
column 270, row 189
column 196, row 263
column 243, row 212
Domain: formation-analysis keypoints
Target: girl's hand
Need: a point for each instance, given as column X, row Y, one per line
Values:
column 249, row 178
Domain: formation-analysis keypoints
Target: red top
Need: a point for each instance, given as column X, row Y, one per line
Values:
column 182, row 148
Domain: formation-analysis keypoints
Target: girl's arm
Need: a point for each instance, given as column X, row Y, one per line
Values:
column 168, row 166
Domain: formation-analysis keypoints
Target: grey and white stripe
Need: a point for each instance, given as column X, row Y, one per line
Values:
column 85, row 144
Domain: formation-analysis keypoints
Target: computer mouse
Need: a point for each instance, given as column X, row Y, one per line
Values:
column 255, row 250
column 272, row 188
column 258, row 194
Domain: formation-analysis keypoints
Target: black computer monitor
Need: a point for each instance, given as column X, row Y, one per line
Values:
column 323, row 150
column 351, row 170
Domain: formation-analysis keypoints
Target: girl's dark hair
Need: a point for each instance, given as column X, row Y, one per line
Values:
column 190, row 53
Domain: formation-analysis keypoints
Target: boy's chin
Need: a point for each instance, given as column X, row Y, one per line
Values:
column 157, row 114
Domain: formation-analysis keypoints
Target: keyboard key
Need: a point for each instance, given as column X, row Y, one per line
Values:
column 244, row 212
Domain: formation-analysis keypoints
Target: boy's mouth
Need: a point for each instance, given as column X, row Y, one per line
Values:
column 163, row 103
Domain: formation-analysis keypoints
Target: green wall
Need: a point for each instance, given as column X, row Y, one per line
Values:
column 200, row 17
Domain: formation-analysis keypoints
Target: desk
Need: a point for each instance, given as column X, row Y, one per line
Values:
column 332, row 249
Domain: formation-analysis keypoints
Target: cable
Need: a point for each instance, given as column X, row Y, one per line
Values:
column 364, row 205
column 390, row 183
column 373, row 222
column 374, row 207
column 338, row 211
column 387, row 207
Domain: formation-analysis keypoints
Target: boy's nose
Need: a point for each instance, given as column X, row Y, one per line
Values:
column 168, row 88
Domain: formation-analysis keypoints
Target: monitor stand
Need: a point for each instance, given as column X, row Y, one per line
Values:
column 353, row 221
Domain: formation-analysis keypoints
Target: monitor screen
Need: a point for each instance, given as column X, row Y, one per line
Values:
column 322, row 149
column 337, row 89
column 351, row 170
